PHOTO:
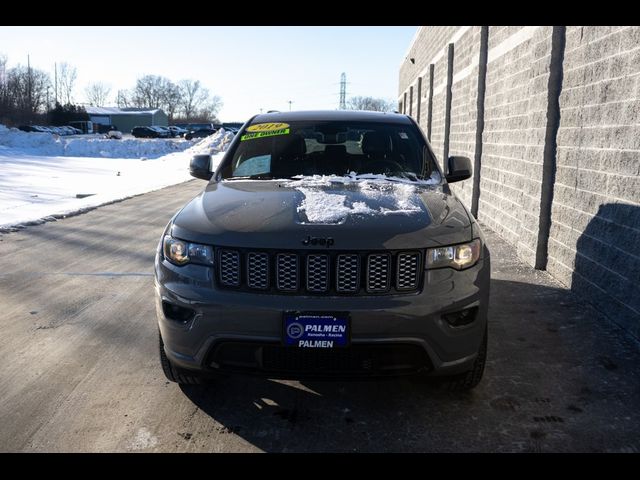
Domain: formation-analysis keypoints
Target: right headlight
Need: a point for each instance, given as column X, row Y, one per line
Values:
column 459, row 257
column 180, row 252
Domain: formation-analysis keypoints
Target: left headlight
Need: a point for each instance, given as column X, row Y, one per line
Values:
column 455, row 256
column 180, row 252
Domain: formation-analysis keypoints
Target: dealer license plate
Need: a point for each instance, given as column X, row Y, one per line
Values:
column 316, row 330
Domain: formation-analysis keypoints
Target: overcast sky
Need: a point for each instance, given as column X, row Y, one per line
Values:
column 251, row 68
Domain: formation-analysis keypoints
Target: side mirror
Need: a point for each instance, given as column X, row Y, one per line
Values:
column 459, row 169
column 200, row 167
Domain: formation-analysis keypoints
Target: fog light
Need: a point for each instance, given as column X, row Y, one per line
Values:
column 461, row 318
column 177, row 313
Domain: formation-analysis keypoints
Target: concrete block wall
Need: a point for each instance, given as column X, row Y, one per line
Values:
column 595, row 230
column 464, row 93
column 580, row 172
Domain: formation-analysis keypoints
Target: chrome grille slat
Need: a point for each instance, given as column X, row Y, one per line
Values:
column 230, row 268
column 407, row 275
column 348, row 273
column 258, row 270
column 378, row 272
column 287, row 272
column 317, row 272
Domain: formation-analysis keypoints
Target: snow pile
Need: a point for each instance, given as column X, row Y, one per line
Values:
column 12, row 139
column 17, row 142
column 387, row 196
column 125, row 148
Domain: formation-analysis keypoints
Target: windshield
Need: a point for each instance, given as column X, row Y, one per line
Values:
column 293, row 149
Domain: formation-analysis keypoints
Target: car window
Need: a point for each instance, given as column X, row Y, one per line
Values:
column 285, row 150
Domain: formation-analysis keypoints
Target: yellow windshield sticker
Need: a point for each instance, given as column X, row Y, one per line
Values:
column 267, row 127
column 270, row 133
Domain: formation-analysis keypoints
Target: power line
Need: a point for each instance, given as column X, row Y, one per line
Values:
column 343, row 91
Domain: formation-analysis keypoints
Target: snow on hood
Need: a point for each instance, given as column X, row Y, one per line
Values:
column 321, row 205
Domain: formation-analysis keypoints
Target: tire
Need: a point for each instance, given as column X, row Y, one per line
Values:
column 469, row 380
column 173, row 373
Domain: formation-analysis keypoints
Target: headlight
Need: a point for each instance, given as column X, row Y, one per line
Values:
column 455, row 256
column 180, row 252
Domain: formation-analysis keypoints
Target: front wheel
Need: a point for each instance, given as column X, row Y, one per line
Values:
column 173, row 373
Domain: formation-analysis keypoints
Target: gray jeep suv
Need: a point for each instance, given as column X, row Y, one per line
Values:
column 326, row 244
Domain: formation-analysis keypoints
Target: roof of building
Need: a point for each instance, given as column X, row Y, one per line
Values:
column 332, row 115
column 121, row 111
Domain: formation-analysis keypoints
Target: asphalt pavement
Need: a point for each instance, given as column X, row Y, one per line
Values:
column 79, row 369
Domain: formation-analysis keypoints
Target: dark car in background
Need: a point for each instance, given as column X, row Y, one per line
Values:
column 58, row 130
column 149, row 132
column 177, row 131
column 201, row 133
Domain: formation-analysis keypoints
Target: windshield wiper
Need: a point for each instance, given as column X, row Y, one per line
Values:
column 252, row 177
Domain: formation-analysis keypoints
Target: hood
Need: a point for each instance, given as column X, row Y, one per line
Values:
column 360, row 214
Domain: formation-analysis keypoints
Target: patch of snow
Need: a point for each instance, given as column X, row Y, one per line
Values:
column 322, row 207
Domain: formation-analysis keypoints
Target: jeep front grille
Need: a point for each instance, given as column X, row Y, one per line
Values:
column 258, row 270
column 230, row 268
column 287, row 272
column 407, row 271
column 316, row 273
column 348, row 273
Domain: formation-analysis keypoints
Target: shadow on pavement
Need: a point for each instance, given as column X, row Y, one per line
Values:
column 551, row 384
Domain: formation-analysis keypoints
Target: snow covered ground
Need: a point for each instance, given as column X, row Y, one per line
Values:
column 43, row 175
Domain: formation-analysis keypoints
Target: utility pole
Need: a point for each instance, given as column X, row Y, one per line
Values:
column 55, row 74
column 29, row 81
column 290, row 102
column 343, row 91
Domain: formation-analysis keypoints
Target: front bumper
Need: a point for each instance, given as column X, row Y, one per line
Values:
column 407, row 323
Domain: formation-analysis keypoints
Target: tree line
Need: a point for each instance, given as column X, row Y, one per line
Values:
column 28, row 95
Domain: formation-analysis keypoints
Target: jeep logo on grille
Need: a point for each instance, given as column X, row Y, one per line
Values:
column 324, row 241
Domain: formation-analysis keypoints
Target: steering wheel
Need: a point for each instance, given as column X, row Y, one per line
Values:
column 384, row 165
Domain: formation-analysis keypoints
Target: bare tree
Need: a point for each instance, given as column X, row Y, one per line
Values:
column 66, row 81
column 123, row 99
column 192, row 96
column 171, row 99
column 149, row 91
column 210, row 109
column 370, row 103
column 97, row 94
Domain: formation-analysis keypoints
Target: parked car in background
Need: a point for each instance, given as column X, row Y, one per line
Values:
column 100, row 128
column 57, row 130
column 178, row 131
column 84, row 126
column 203, row 132
column 163, row 132
column 148, row 132
column 114, row 134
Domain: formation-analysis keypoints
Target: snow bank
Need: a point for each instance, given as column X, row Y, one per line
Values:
column 17, row 142
column 42, row 176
